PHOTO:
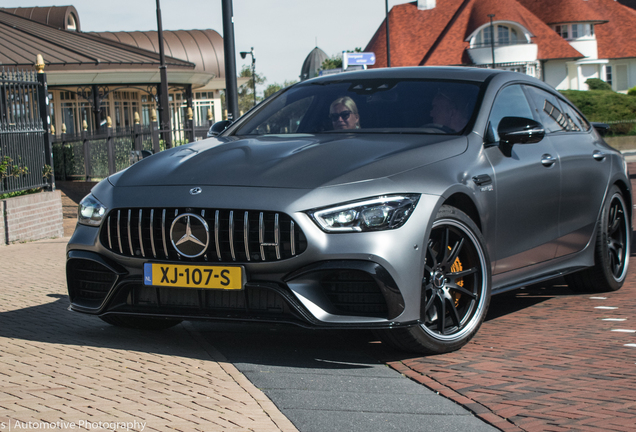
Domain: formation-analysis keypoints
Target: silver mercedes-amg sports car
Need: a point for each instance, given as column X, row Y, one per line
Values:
column 397, row 200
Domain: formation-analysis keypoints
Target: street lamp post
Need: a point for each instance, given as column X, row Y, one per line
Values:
column 492, row 39
column 164, row 104
column 251, row 53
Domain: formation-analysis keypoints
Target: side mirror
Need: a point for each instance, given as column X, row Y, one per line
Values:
column 520, row 130
column 601, row 128
column 218, row 127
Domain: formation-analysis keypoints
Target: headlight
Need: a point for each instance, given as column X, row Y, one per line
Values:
column 90, row 211
column 373, row 214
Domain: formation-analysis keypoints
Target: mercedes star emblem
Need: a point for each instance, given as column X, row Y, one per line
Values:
column 190, row 235
column 195, row 191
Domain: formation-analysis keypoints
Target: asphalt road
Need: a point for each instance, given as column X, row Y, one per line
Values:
column 332, row 380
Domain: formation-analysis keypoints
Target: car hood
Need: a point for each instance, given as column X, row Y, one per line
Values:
column 307, row 161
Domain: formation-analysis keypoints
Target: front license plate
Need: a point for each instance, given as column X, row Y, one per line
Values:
column 193, row 276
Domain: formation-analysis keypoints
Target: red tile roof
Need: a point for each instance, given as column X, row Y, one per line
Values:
column 564, row 11
column 438, row 36
column 615, row 39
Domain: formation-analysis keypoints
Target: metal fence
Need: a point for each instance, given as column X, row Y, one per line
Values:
column 86, row 156
column 23, row 141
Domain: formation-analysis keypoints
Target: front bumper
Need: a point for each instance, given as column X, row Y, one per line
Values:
column 343, row 293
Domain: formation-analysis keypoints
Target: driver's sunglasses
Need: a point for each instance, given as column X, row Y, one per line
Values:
column 344, row 114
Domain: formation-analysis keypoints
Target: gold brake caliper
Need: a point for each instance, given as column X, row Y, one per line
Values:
column 455, row 268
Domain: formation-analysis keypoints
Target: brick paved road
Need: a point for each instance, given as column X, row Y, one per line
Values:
column 58, row 365
column 546, row 359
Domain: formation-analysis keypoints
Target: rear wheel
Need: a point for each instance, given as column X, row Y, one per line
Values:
column 612, row 249
column 455, row 288
column 145, row 323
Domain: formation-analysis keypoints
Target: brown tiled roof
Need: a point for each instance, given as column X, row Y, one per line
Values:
column 412, row 32
column 438, row 36
column 564, row 11
column 21, row 39
column 617, row 38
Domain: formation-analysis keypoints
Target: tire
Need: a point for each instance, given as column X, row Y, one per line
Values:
column 612, row 249
column 136, row 322
column 455, row 288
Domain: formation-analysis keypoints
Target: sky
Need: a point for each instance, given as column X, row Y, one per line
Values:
column 282, row 32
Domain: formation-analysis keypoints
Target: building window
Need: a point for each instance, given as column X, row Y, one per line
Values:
column 562, row 30
column 71, row 22
column 608, row 74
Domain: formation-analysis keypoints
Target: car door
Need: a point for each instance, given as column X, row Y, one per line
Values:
column 584, row 169
column 526, row 185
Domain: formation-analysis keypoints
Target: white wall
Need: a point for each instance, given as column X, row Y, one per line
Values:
column 555, row 74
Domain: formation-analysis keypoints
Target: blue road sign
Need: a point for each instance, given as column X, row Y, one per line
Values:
column 364, row 58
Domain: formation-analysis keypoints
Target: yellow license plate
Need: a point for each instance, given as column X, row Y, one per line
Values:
column 193, row 276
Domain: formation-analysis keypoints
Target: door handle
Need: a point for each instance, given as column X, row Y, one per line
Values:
column 598, row 155
column 547, row 160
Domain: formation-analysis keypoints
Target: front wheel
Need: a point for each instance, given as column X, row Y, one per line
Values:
column 455, row 288
column 612, row 249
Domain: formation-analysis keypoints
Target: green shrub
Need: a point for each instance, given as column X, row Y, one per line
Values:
column 605, row 106
column 598, row 84
column 632, row 91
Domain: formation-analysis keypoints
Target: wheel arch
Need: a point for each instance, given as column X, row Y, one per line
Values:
column 464, row 203
column 627, row 196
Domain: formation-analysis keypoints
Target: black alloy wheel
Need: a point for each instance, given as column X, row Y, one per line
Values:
column 455, row 287
column 613, row 243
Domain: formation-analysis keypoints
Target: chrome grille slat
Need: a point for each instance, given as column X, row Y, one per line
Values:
column 163, row 233
column 292, row 238
column 152, row 234
column 246, row 234
column 216, row 235
column 261, row 235
column 121, row 249
column 232, row 235
column 141, row 238
column 240, row 236
column 277, row 236
column 132, row 251
column 110, row 237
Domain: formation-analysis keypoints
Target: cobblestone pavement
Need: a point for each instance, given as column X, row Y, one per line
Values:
column 546, row 359
column 60, row 366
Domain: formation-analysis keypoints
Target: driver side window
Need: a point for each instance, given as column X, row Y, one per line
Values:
column 510, row 102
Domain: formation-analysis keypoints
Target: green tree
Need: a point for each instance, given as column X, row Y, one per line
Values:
column 273, row 88
column 335, row 61
column 246, row 92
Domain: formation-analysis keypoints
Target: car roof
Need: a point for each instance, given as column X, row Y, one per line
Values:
column 417, row 72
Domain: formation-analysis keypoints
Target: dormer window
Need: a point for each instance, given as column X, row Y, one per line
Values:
column 575, row 31
column 504, row 35
column 71, row 22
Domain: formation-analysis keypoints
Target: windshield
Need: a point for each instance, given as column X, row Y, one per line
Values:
column 371, row 105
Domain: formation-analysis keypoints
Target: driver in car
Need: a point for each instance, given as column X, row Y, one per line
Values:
column 343, row 113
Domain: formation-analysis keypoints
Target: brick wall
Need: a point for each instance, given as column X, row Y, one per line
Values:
column 32, row 217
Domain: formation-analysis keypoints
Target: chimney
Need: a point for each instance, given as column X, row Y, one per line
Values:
column 425, row 4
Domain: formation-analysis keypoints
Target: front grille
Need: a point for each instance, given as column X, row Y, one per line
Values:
column 234, row 235
column 89, row 281
column 354, row 292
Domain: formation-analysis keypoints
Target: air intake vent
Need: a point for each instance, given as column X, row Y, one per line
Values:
column 231, row 235
column 89, row 282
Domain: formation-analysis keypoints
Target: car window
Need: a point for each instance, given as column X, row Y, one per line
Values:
column 366, row 106
column 578, row 122
column 286, row 120
column 549, row 111
column 510, row 102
